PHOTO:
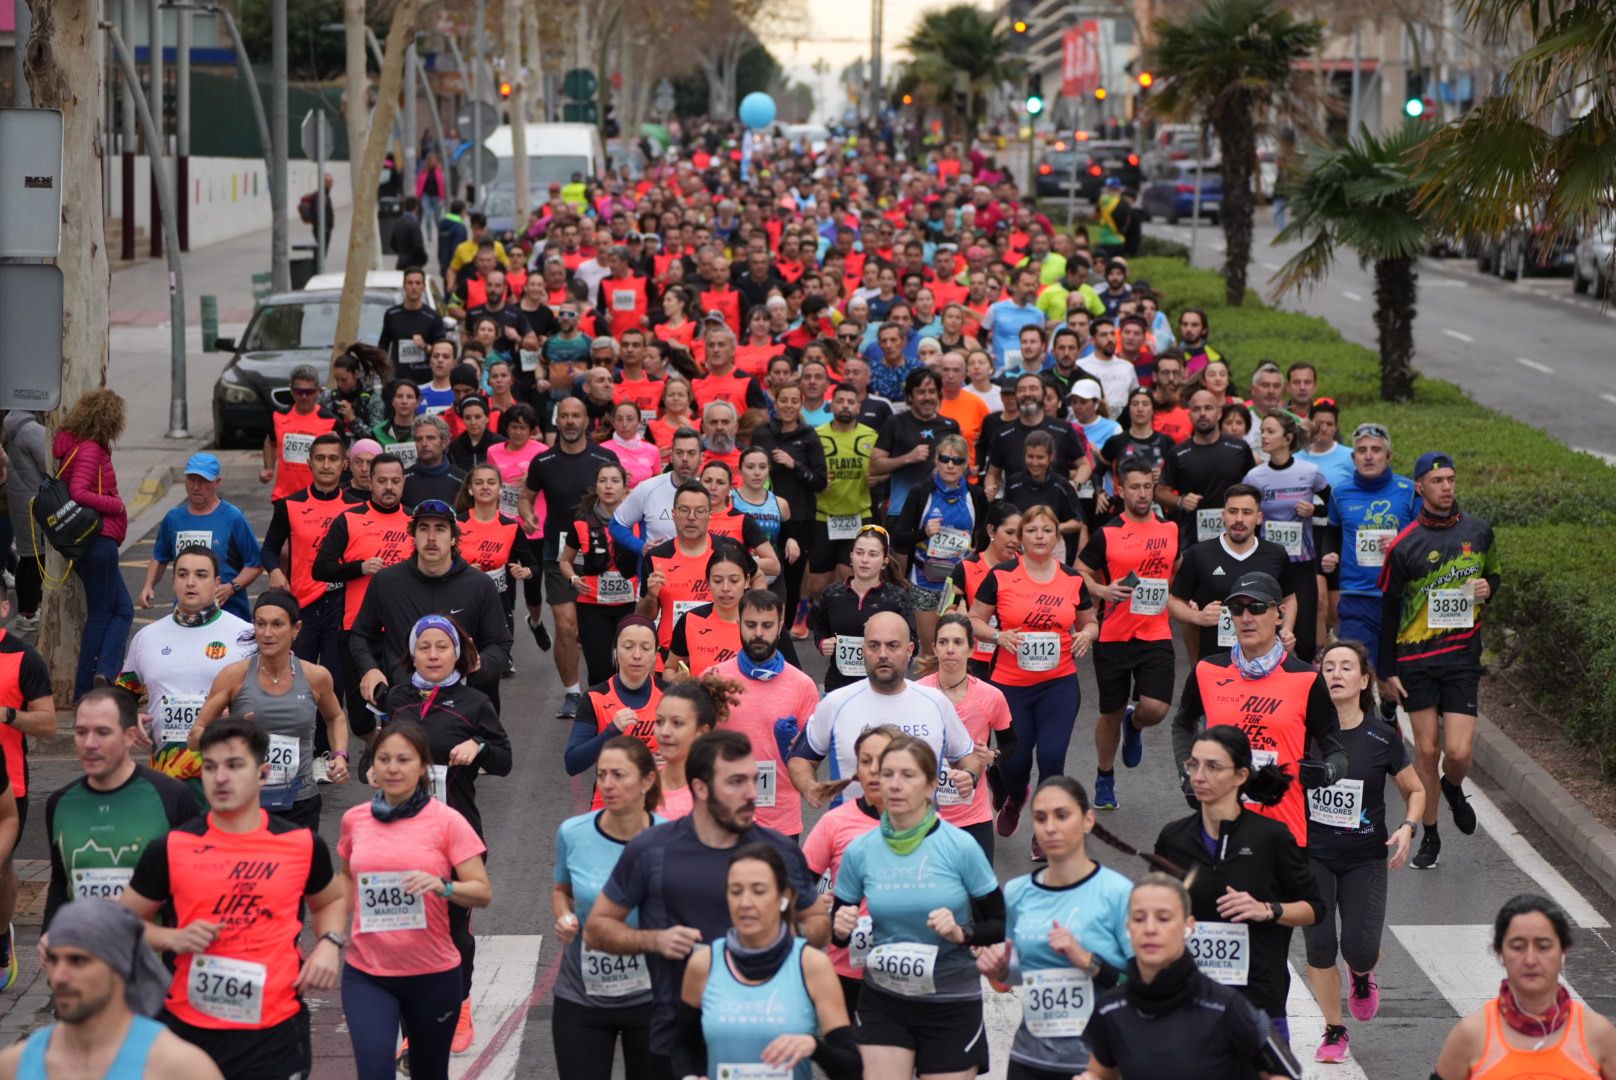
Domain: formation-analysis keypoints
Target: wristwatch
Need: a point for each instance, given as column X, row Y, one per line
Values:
column 335, row 938
column 343, row 754
column 1277, row 909
column 1413, row 828
column 1093, row 970
column 11, row 716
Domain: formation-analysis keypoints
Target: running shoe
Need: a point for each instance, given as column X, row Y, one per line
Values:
column 996, row 789
column 25, row 624
column 1364, row 1000
column 799, row 627
column 1133, row 741
column 541, row 636
column 569, row 707
column 1430, row 851
column 1038, row 851
column 8, row 965
column 321, row 768
column 465, row 1032
column 1388, row 709
column 510, row 668
column 1333, row 1050
column 1105, row 792
column 1010, row 817
column 1464, row 815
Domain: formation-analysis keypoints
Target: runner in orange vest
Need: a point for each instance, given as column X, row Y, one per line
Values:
column 624, row 299
column 286, row 448
column 365, row 539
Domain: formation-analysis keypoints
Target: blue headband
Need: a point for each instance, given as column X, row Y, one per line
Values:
column 435, row 622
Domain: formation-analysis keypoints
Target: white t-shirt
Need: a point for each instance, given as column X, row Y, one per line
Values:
column 179, row 663
column 1117, row 378
column 992, row 397
column 650, row 504
column 921, row 711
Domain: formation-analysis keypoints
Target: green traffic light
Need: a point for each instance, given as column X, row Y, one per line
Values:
column 1414, row 107
column 1035, row 105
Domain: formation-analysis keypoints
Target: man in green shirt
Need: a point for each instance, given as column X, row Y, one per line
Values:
column 1056, row 300
column 844, row 505
column 101, row 823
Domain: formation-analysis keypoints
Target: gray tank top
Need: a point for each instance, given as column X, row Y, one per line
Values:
column 288, row 719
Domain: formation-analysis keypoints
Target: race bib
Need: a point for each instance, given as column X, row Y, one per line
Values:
column 410, row 354
column 647, row 415
column 850, row 656
column 1339, row 806
column 227, row 989
column 905, row 968
column 613, row 588
column 608, row 976
column 622, row 300
column 1227, row 638
column 948, row 544
column 295, row 447
column 1208, row 524
column 440, row 783
column 1287, row 534
column 859, row 944
column 285, row 752
column 1222, row 950
column 1087, row 490
column 101, row 882
column 510, row 500
column 1370, row 545
column 948, row 794
column 1451, row 609
column 192, row 538
column 384, row 905
column 405, row 452
column 756, row 1071
column 1149, row 596
column 843, row 528
column 500, row 578
column 765, row 783
column 176, row 714
column 682, row 606
column 1040, row 650
column 1056, row 1003
column 530, row 359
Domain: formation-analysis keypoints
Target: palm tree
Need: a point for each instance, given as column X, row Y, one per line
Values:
column 1546, row 143
column 1361, row 196
column 957, row 49
column 1233, row 65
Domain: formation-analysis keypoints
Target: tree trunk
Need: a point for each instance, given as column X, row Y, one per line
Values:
column 357, row 120
column 1238, row 141
column 64, row 65
column 518, row 110
column 533, row 101
column 375, row 148
column 1396, row 291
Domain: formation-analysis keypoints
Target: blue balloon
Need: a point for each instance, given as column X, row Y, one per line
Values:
column 757, row 110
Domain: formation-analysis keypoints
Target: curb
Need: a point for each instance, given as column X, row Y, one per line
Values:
column 1584, row 837
column 144, row 514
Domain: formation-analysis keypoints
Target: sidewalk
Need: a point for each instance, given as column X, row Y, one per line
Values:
column 138, row 354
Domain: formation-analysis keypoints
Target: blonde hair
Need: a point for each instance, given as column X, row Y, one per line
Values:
column 98, row 416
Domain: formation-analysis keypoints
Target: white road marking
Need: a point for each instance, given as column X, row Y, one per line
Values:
column 1457, row 336
column 1607, row 458
column 1443, row 283
column 1520, row 850
column 1609, row 398
column 1459, row 961
column 1350, row 295
column 507, row 968
column 1270, row 266
column 1534, row 365
column 1307, row 1031
column 1001, row 1015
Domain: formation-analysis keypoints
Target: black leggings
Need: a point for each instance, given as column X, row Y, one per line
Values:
column 465, row 941
column 982, row 833
column 586, row 1040
column 1305, row 576
column 30, row 587
column 597, row 631
column 1356, row 892
column 850, row 993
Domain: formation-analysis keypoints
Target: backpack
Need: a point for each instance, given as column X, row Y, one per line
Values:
column 68, row 524
column 306, row 211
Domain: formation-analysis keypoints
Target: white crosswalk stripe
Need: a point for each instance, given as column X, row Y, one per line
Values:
column 507, row 968
column 1459, row 961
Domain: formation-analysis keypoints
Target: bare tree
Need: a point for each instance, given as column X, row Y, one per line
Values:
column 64, row 66
column 357, row 119
column 516, row 75
column 399, row 34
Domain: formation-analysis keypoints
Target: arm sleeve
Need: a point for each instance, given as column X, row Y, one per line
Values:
column 385, row 339
column 321, row 869
column 987, row 918
column 814, row 471
column 1191, row 715
column 752, row 535
column 678, row 645
column 627, row 886
column 585, row 740
column 1296, row 881
column 86, row 480
column 365, row 638
column 1187, row 580
column 244, row 544
column 33, row 679
column 906, row 530
column 626, row 516
column 988, row 592
column 754, row 395
column 838, row 1055
column 492, row 633
column 329, row 564
column 163, row 545
column 495, row 759
column 524, row 553
column 689, row 1056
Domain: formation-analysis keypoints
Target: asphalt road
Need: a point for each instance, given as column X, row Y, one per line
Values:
column 1531, row 348
column 1434, row 965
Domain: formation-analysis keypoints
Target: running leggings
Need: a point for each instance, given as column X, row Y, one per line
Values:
column 1356, row 892
column 374, row 1005
column 1042, row 716
column 597, row 634
column 465, row 941
column 586, row 1040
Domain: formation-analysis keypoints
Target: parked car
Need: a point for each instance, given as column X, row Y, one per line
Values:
column 288, row 329
column 1096, row 162
column 1590, row 271
column 1529, row 247
column 1170, row 194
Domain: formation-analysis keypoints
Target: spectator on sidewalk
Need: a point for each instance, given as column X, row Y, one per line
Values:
column 452, row 233
column 430, row 188
column 407, row 240
column 205, row 520
column 28, row 452
column 83, row 452
column 307, row 210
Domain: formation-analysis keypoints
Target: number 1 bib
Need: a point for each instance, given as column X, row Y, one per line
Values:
column 765, row 783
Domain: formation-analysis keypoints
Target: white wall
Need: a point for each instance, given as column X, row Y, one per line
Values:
column 227, row 197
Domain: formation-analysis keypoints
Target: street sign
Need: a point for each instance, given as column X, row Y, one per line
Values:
column 664, row 97
column 469, row 115
column 31, row 347
column 488, row 162
column 316, row 136
column 1080, row 59
column 580, row 84
column 30, row 185
column 574, row 112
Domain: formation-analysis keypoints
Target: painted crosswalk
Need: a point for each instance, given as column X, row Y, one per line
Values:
column 504, row 992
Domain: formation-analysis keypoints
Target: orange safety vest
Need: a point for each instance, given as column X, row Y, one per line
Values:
column 725, row 300
column 373, row 534
column 625, row 300
column 294, row 438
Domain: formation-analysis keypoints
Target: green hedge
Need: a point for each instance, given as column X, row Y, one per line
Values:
column 1554, row 508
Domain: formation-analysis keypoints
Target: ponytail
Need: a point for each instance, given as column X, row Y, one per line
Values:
column 1266, row 785
column 1079, row 794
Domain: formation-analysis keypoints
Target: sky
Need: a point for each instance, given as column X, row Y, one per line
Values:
column 841, row 34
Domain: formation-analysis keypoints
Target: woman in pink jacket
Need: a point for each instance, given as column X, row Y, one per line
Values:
column 83, row 452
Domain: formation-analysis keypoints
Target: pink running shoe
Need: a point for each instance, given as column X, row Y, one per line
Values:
column 1364, row 1000
column 1333, row 1050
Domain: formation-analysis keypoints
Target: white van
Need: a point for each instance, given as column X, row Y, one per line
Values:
column 554, row 153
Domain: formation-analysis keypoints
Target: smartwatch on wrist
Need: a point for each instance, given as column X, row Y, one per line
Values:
column 1413, row 827
column 335, row 938
column 1277, row 909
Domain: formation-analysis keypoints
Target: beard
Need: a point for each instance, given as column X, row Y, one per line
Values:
column 721, row 443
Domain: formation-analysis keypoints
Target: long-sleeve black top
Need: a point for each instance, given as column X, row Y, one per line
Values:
column 451, row 716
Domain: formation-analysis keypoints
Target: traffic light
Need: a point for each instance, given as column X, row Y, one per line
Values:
column 908, row 99
column 1414, row 95
column 1035, row 93
column 504, row 90
column 1020, row 26
column 1146, row 80
column 1099, row 93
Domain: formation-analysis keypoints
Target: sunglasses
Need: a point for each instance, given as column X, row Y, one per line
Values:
column 1241, row 607
column 950, row 459
column 873, row 528
column 305, row 391
column 433, row 506
column 1323, row 401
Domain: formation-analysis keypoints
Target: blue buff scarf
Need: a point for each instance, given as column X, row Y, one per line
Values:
column 1261, row 666
column 774, row 665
